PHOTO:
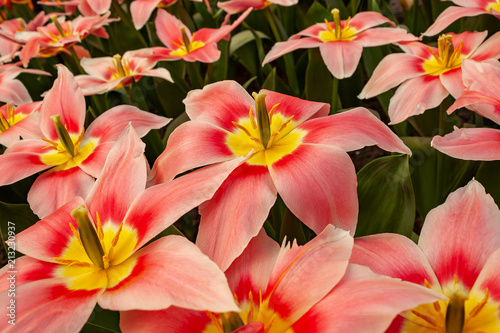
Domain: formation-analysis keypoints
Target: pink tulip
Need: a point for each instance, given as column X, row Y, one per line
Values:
column 341, row 42
column 295, row 150
column 468, row 8
column 75, row 156
column 237, row 6
column 141, row 10
column 458, row 254
column 19, row 121
column 428, row 75
column 92, row 251
column 86, row 7
column 109, row 73
column 182, row 44
column 12, row 90
column 483, row 96
column 309, row 288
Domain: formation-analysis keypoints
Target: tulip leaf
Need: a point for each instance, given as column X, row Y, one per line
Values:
column 490, row 178
column 244, row 37
column 15, row 218
column 386, row 198
column 102, row 320
column 319, row 80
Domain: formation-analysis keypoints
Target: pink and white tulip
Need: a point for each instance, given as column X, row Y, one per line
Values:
column 458, row 254
column 309, row 288
column 109, row 73
column 75, row 156
column 468, row 8
column 483, row 96
column 301, row 154
column 427, row 74
column 341, row 42
column 92, row 251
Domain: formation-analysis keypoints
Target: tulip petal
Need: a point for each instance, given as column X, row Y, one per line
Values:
column 352, row 130
column 477, row 144
column 415, row 96
column 383, row 36
column 366, row 20
column 14, row 91
column 341, row 57
column 452, row 81
column 303, row 275
column 216, row 236
column 363, row 302
column 488, row 49
column 463, row 249
column 318, row 185
column 53, row 189
column 94, row 163
column 20, row 160
column 488, row 278
column 163, row 264
column 450, row 15
column 168, row 29
column 99, row 6
column 141, row 11
column 282, row 48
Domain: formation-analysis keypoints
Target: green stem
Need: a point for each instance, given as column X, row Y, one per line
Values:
column 194, row 75
column 336, row 105
column 439, row 163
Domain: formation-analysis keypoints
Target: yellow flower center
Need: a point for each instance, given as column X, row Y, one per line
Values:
column 186, row 45
column 62, row 32
column 337, row 33
column 448, row 57
column 95, row 259
column 250, row 313
column 121, row 69
column 495, row 5
column 67, row 152
column 463, row 312
column 10, row 119
column 270, row 141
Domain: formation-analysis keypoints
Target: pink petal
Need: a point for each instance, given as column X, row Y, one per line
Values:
column 168, row 29
column 250, row 272
column 390, row 72
column 149, row 214
column 53, row 230
column 97, row 68
column 395, row 256
column 208, row 53
column 236, row 6
column 471, row 41
column 383, row 36
column 281, row 48
column 141, row 11
column 488, row 278
column 452, row 81
column 303, row 275
column 173, row 319
column 363, row 302
column 93, row 86
column 365, row 20
column 99, row 6
column 122, row 179
column 163, row 264
column 66, row 100
column 191, row 145
column 108, row 126
column 54, row 188
column 318, row 185
column 215, row 35
column 460, row 235
column 489, row 49
column 13, row 91
column 352, row 130
column 450, row 15
column 26, row 269
column 415, row 96
column 219, row 103
column 341, row 57
column 477, row 144
column 21, row 160
column 162, row 73
column 251, row 193
column 94, row 163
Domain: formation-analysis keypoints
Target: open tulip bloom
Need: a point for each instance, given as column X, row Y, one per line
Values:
column 74, row 155
column 294, row 289
column 91, row 251
column 341, row 42
column 478, row 144
column 109, row 73
column 427, row 74
column 458, row 254
column 296, row 151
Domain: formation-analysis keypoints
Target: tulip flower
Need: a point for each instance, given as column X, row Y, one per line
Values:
column 458, row 254
column 296, row 151
column 341, row 42
column 109, row 73
column 467, row 8
column 182, row 44
column 309, row 288
column 483, row 96
column 85, row 7
column 428, row 75
column 92, row 251
column 141, row 10
column 19, row 121
column 12, row 90
column 237, row 6
column 75, row 156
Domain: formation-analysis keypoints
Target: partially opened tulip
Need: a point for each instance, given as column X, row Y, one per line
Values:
column 483, row 96
column 295, row 150
column 467, row 8
column 182, row 44
column 109, row 73
column 341, row 42
column 293, row 289
column 21, row 121
column 75, row 156
column 92, row 251
column 458, row 254
column 12, row 90
column 427, row 74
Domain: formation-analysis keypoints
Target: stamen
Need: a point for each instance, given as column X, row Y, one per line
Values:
column 427, row 284
column 252, row 119
column 481, row 304
column 100, row 232
column 438, row 59
column 88, row 235
column 115, row 240
column 455, row 280
column 75, row 233
column 437, row 307
column 71, row 262
column 328, row 26
column 424, row 317
column 185, row 38
column 241, row 127
column 119, row 66
column 271, row 113
column 63, row 135
column 215, row 321
column 251, row 311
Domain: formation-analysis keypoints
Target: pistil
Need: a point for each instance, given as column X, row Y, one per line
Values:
column 63, row 135
column 119, row 66
column 88, row 236
column 455, row 314
column 57, row 24
column 185, row 39
column 262, row 118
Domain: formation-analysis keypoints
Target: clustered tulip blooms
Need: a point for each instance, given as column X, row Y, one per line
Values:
column 176, row 166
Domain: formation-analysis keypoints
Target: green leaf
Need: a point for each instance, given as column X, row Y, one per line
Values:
column 16, row 216
column 489, row 176
column 291, row 228
column 319, row 80
column 102, row 321
column 386, row 198
column 242, row 38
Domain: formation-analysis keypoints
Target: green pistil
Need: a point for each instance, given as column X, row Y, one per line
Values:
column 57, row 24
column 185, row 38
column 88, row 235
column 455, row 314
column 231, row 322
column 262, row 118
column 63, row 135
